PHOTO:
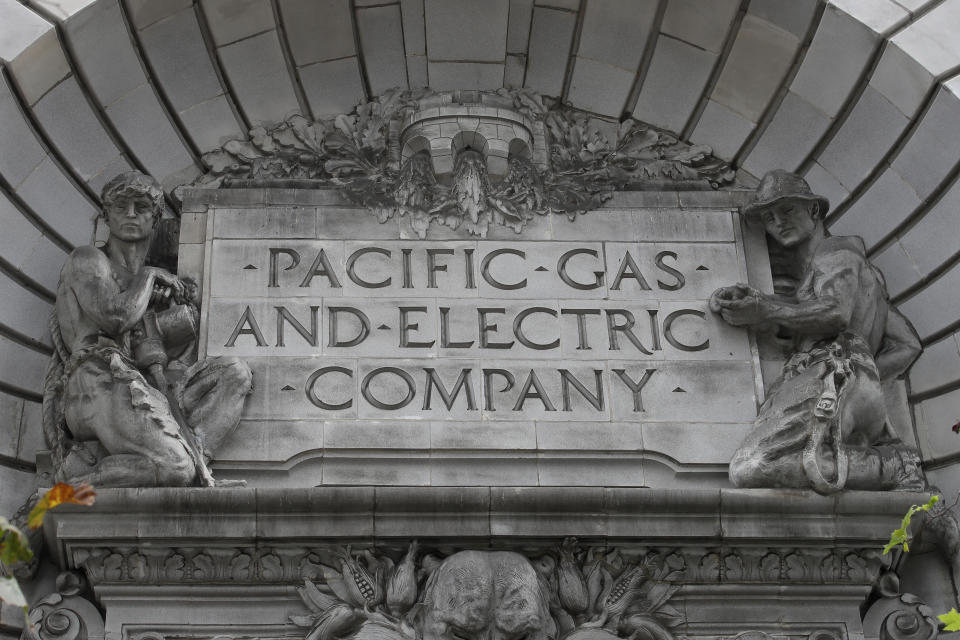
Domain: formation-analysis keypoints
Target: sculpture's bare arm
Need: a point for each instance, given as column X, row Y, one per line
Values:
column 91, row 282
column 900, row 348
column 828, row 311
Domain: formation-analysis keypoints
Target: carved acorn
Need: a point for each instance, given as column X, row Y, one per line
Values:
column 571, row 584
column 364, row 589
column 402, row 585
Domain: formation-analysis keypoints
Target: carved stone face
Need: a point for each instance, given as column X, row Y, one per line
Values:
column 790, row 221
column 131, row 218
column 485, row 595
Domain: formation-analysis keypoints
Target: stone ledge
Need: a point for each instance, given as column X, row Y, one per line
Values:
column 245, row 516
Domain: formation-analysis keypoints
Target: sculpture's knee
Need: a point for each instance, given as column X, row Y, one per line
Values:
column 236, row 374
column 746, row 470
column 176, row 471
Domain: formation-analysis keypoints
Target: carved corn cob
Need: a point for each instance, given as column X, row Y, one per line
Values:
column 624, row 590
column 571, row 585
column 364, row 588
column 402, row 586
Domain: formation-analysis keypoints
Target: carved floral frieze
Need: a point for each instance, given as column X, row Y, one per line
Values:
column 443, row 158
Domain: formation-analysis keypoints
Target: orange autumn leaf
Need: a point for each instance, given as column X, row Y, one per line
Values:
column 60, row 493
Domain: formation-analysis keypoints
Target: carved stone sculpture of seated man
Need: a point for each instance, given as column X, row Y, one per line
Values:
column 121, row 405
column 824, row 422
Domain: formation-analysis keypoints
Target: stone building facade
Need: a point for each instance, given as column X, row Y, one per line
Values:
column 215, row 99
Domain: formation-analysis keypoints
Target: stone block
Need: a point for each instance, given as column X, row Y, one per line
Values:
column 446, row 76
column 140, row 120
column 464, row 30
column 212, row 123
column 901, row 80
column 40, row 66
column 551, row 34
column 410, row 469
column 616, row 32
column 190, row 263
column 587, row 470
column 927, row 157
column 103, row 50
column 21, row 27
column 880, row 16
column 676, row 77
column 608, row 437
column 867, row 134
column 258, row 74
column 939, row 364
column 176, row 51
column 72, row 126
column 31, row 432
column 936, row 306
column 21, row 245
column 55, row 200
column 535, row 511
column 539, row 266
column 372, row 434
column 233, row 277
column 755, row 67
column 381, row 39
column 935, row 418
column 318, row 31
column 339, row 222
column 703, row 23
column 332, row 87
column 505, row 436
column 226, row 315
column 599, row 87
column 514, row 70
column 409, row 398
column 337, row 511
column 17, row 486
column 15, row 133
column 25, row 312
column 232, row 20
column 722, row 129
column 144, row 13
column 651, row 513
column 931, row 39
column 472, row 470
column 518, row 26
column 785, row 514
column 877, row 212
column 684, row 442
column 826, row 184
column 685, row 392
column 414, row 28
column 899, row 268
column 838, row 53
column 703, row 268
column 272, row 222
column 790, row 15
column 930, row 242
column 276, row 441
column 11, row 409
column 790, row 136
column 273, row 400
column 461, row 324
column 650, row 225
column 21, row 366
column 408, row 511
column 417, row 72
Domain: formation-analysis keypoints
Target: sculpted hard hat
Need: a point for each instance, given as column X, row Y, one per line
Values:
column 779, row 185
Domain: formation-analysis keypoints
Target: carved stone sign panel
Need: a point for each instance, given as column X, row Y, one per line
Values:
column 599, row 327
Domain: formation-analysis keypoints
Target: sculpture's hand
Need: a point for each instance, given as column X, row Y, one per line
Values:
column 740, row 305
column 164, row 279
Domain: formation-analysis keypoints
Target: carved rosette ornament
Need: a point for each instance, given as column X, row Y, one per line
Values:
column 573, row 593
column 466, row 158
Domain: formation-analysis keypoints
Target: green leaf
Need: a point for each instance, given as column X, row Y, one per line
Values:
column 14, row 547
column 901, row 536
column 10, row 592
column 951, row 619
